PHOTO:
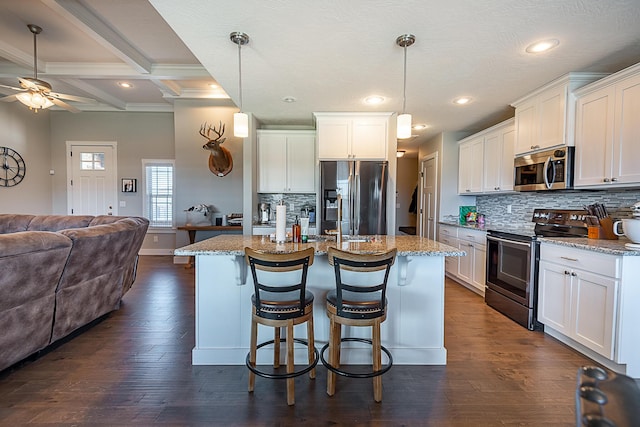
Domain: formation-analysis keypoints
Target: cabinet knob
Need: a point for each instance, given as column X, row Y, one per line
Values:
column 573, row 273
column 496, row 188
column 606, row 180
column 614, row 179
column 566, row 272
column 467, row 190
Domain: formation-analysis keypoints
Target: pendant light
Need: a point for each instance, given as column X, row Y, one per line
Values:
column 240, row 119
column 404, row 119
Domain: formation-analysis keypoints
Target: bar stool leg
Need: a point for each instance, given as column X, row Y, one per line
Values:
column 252, row 356
column 276, row 347
column 334, row 354
column 290, row 381
column 377, row 362
column 311, row 346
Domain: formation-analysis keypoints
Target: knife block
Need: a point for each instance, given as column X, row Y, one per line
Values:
column 605, row 231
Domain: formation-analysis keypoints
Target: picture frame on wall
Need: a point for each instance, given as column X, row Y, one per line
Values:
column 129, row 185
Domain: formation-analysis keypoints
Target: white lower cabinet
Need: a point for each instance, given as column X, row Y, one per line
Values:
column 469, row 270
column 588, row 300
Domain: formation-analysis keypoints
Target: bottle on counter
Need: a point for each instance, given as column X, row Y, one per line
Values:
column 296, row 231
column 304, row 229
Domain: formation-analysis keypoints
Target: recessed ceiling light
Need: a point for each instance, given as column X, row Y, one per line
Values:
column 374, row 99
column 125, row 85
column 542, row 46
column 420, row 127
column 214, row 86
column 289, row 99
column 462, row 100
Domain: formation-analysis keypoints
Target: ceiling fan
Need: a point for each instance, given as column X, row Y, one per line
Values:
column 36, row 93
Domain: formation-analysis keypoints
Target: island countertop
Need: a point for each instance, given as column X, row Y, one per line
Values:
column 406, row 245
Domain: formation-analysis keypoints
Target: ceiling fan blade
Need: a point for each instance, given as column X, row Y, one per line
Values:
column 9, row 98
column 63, row 104
column 28, row 84
column 73, row 98
column 12, row 88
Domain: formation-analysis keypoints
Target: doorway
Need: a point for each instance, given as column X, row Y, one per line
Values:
column 428, row 196
column 92, row 169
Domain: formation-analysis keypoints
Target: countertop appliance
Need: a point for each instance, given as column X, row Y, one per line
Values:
column 545, row 170
column 363, row 187
column 263, row 212
column 512, row 261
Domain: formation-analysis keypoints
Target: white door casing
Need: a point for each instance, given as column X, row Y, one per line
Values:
column 92, row 178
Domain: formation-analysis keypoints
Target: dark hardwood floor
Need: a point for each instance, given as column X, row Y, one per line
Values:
column 134, row 368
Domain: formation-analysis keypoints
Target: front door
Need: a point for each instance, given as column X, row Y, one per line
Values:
column 92, row 187
column 428, row 196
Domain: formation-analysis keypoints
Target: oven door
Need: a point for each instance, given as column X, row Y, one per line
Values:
column 511, row 269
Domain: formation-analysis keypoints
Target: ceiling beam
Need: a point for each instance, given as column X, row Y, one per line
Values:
column 85, row 19
column 18, row 57
column 96, row 93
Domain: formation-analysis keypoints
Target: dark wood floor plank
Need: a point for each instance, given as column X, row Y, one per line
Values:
column 134, row 368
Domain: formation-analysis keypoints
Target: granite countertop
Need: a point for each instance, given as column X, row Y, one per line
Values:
column 235, row 244
column 611, row 247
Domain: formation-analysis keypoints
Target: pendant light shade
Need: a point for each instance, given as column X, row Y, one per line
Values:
column 404, row 126
column 240, row 125
column 404, row 119
column 240, row 119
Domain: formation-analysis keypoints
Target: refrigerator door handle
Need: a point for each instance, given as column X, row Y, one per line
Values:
column 356, row 207
column 350, row 209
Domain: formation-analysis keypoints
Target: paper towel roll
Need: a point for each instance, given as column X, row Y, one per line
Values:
column 281, row 223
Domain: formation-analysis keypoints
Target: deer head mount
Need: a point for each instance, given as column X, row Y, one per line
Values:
column 220, row 161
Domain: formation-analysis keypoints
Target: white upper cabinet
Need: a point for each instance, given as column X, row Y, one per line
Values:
column 286, row 161
column 544, row 118
column 486, row 160
column 498, row 158
column 471, row 166
column 608, row 131
column 351, row 136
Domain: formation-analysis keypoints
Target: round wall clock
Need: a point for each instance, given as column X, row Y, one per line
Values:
column 12, row 167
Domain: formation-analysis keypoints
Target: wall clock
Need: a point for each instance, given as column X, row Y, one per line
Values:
column 12, row 167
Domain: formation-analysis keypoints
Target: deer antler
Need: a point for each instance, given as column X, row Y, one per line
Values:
column 220, row 130
column 202, row 129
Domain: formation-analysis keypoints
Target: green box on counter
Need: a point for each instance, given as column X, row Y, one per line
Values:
column 464, row 210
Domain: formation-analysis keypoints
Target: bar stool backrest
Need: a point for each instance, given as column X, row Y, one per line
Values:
column 370, row 289
column 271, row 294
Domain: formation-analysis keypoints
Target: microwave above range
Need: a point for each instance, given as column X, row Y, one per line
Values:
column 545, row 170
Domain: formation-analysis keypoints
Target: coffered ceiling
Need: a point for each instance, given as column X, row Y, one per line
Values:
column 326, row 55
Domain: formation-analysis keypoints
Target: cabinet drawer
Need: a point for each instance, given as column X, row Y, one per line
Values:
column 451, row 241
column 598, row 263
column 448, row 231
column 474, row 236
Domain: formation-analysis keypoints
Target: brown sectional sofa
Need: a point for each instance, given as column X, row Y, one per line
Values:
column 59, row 273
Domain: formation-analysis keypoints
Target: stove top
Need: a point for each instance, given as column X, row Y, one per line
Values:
column 546, row 223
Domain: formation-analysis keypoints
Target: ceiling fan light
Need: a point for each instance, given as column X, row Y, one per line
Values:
column 404, row 126
column 34, row 100
column 240, row 125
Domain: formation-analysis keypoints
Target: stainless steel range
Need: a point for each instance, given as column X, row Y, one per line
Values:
column 513, row 254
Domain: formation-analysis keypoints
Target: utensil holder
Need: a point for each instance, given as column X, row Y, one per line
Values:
column 606, row 227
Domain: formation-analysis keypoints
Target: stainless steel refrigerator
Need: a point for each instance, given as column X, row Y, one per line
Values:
column 363, row 187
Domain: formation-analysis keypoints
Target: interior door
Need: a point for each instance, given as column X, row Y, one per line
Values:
column 92, row 187
column 428, row 196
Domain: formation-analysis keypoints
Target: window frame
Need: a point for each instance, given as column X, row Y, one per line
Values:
column 146, row 196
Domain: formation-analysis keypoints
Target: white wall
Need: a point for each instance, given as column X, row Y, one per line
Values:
column 195, row 184
column 27, row 133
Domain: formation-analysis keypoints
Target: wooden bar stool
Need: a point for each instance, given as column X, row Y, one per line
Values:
column 362, row 302
column 280, row 304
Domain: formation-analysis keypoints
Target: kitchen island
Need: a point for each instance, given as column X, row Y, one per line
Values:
column 413, row 331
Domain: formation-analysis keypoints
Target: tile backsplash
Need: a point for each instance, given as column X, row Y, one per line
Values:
column 299, row 201
column 618, row 203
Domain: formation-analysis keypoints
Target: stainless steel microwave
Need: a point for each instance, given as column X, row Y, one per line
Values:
column 545, row 170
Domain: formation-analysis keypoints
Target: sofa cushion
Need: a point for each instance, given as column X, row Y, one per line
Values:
column 12, row 223
column 59, row 222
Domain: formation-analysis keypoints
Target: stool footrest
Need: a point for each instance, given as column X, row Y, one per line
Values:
column 353, row 374
column 293, row 374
